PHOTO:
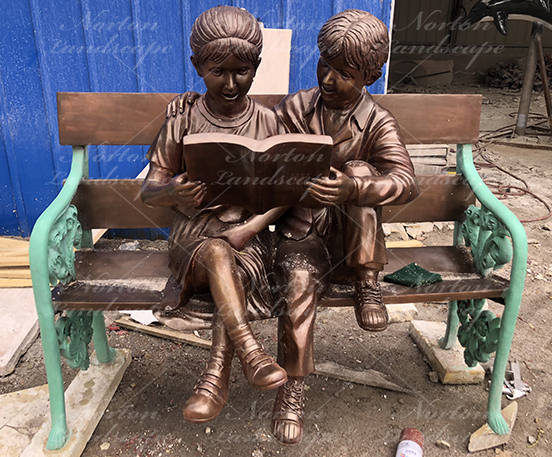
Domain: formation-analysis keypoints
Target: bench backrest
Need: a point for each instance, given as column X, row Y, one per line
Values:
column 130, row 118
column 135, row 118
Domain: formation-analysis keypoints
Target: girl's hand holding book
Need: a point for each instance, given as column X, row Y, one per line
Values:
column 186, row 193
column 237, row 236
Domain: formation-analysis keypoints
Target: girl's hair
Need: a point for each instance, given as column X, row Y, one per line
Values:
column 225, row 30
column 357, row 36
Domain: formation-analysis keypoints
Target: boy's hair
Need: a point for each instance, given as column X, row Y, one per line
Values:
column 224, row 30
column 357, row 36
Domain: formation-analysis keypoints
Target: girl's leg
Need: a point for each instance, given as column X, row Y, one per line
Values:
column 215, row 266
column 211, row 391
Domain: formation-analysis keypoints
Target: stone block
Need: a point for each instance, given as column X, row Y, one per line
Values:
column 415, row 230
column 448, row 363
column 404, row 312
column 395, row 227
column 21, row 416
column 86, row 399
column 19, row 326
column 485, row 438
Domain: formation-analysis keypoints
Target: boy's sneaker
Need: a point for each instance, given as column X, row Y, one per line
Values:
column 288, row 412
column 370, row 311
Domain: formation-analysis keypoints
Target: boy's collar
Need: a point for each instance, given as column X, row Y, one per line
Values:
column 360, row 113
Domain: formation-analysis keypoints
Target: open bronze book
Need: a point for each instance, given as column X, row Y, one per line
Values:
column 257, row 175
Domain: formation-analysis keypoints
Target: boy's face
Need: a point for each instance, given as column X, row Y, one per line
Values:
column 340, row 85
column 227, row 82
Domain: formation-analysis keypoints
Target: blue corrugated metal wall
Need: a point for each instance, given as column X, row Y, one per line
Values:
column 48, row 46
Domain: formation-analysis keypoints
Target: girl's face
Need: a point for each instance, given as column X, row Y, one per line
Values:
column 340, row 85
column 227, row 83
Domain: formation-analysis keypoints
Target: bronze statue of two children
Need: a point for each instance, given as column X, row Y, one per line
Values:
column 230, row 253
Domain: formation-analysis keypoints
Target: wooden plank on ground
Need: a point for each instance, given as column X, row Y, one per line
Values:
column 404, row 244
column 371, row 378
column 15, row 273
column 14, row 252
column 164, row 332
column 13, row 243
column 14, row 261
column 9, row 283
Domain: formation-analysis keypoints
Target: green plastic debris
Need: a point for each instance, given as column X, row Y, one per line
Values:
column 413, row 275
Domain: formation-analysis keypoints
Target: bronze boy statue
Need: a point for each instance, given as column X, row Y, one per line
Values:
column 226, row 44
column 371, row 168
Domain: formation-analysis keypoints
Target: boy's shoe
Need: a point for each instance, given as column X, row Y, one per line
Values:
column 370, row 311
column 288, row 412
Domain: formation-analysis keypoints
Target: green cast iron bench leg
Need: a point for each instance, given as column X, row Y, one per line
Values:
column 52, row 359
column 453, row 322
column 513, row 296
column 104, row 353
column 451, row 334
column 51, row 259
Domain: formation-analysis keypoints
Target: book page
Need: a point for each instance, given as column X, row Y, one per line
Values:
column 257, row 175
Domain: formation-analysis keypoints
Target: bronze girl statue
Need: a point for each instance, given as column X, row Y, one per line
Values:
column 205, row 254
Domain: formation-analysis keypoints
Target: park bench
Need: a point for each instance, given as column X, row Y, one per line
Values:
column 87, row 282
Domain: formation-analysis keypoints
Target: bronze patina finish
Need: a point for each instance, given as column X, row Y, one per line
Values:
column 226, row 44
column 371, row 168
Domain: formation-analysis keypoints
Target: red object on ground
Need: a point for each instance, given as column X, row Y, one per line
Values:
column 411, row 443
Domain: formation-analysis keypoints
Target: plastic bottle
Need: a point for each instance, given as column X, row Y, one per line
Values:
column 411, row 443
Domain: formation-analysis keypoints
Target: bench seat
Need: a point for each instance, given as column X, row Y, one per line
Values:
column 120, row 280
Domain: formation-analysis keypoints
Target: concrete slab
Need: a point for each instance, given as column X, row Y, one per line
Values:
column 86, row 399
column 19, row 326
column 448, row 363
column 21, row 416
column 404, row 312
column 485, row 438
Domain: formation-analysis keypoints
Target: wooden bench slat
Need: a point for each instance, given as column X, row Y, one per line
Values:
column 435, row 118
column 442, row 198
column 110, row 266
column 393, row 294
column 87, row 118
column 116, row 204
column 113, row 300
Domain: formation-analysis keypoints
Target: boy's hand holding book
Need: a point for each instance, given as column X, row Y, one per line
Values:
column 333, row 190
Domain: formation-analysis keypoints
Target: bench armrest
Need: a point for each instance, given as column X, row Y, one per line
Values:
column 517, row 282
column 52, row 259
column 504, row 215
column 57, row 231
